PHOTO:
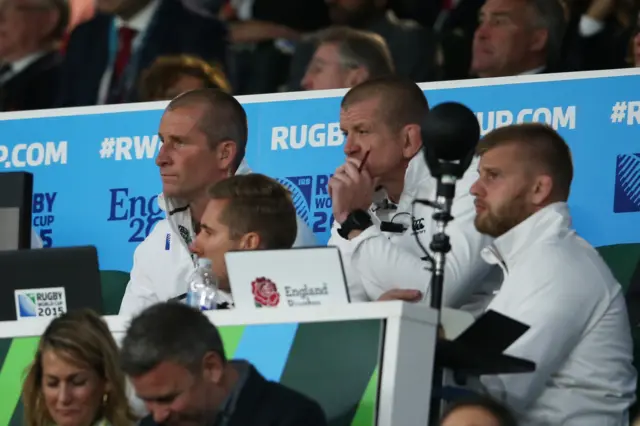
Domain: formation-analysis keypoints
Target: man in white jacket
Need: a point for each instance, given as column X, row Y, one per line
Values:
column 556, row 283
column 376, row 232
column 204, row 135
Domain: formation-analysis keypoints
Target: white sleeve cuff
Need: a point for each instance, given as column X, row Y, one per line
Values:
column 589, row 26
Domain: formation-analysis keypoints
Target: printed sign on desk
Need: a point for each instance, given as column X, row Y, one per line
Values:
column 308, row 276
column 40, row 302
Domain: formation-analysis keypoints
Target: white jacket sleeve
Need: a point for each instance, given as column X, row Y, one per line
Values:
column 357, row 291
column 383, row 264
column 140, row 289
column 558, row 305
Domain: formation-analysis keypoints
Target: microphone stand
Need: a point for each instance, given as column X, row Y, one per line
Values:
column 447, row 173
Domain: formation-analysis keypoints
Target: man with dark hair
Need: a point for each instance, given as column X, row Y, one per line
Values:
column 204, row 135
column 346, row 57
column 516, row 37
column 555, row 283
column 245, row 212
column 175, row 359
column 377, row 232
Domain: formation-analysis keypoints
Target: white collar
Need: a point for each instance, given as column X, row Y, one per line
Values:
column 546, row 222
column 533, row 71
column 140, row 21
column 417, row 171
column 22, row 63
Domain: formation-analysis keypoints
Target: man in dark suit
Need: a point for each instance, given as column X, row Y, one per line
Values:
column 176, row 362
column 30, row 31
column 518, row 37
column 106, row 55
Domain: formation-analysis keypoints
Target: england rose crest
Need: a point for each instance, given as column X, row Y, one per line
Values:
column 265, row 292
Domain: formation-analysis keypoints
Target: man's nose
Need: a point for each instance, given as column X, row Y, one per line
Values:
column 482, row 32
column 475, row 188
column 163, row 158
column 307, row 82
column 196, row 246
column 160, row 413
column 351, row 147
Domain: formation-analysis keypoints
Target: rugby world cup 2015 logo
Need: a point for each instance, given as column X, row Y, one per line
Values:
column 27, row 305
column 300, row 188
column 311, row 198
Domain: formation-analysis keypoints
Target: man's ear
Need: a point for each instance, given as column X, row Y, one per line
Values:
column 250, row 241
column 226, row 152
column 212, row 368
column 356, row 76
column 411, row 140
column 542, row 190
column 539, row 40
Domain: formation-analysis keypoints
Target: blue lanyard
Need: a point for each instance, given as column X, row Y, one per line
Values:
column 127, row 80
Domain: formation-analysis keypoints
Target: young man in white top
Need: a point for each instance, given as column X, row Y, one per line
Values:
column 554, row 282
column 204, row 135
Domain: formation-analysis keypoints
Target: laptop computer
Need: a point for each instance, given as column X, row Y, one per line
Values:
column 48, row 282
column 304, row 276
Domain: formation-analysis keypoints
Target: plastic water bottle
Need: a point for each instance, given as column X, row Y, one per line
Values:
column 203, row 287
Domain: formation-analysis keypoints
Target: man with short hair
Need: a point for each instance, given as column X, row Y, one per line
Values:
column 517, row 37
column 376, row 233
column 204, row 136
column 554, row 282
column 346, row 57
column 176, row 361
column 245, row 212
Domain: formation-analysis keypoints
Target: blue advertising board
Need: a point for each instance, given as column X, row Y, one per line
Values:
column 96, row 181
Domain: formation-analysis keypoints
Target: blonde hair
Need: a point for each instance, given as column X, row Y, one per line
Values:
column 84, row 339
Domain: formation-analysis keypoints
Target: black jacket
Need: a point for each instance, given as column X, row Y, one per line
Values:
column 173, row 30
column 265, row 403
column 35, row 87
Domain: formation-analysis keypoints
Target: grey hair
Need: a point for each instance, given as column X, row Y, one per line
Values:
column 358, row 48
column 168, row 332
column 549, row 15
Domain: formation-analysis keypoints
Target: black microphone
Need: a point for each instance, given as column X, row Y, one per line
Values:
column 450, row 133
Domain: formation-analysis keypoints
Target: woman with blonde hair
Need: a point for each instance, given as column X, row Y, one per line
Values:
column 75, row 379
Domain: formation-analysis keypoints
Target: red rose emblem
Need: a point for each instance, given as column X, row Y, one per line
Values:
column 265, row 292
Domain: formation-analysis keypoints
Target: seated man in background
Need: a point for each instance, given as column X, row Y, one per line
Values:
column 106, row 55
column 245, row 212
column 554, row 282
column 345, row 58
column 376, row 232
column 170, row 76
column 176, row 361
column 30, row 33
column 204, row 135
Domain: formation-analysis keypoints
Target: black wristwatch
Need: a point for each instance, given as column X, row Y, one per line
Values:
column 358, row 220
